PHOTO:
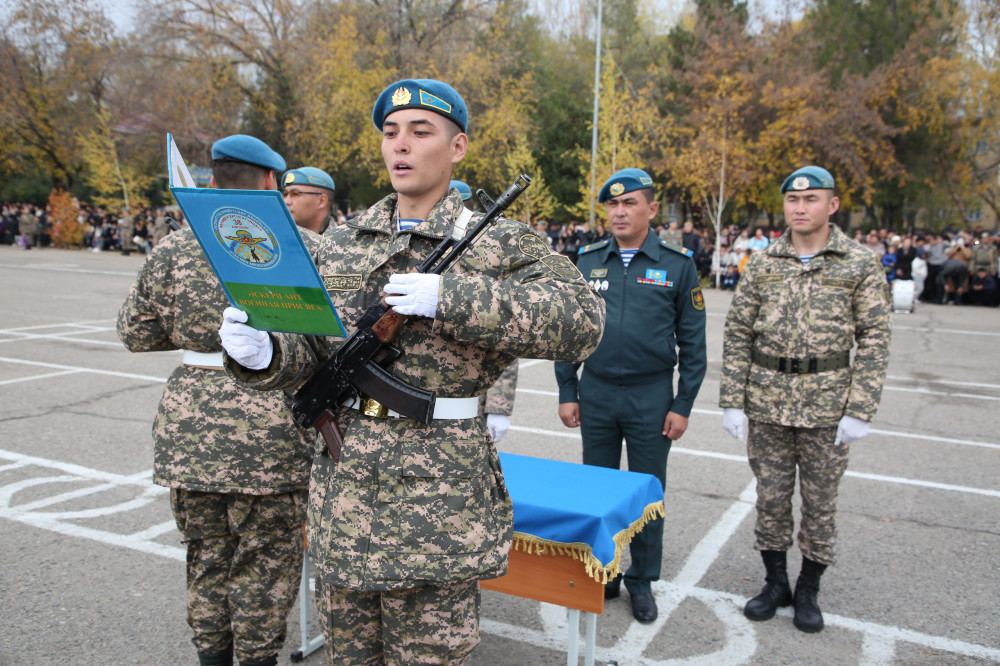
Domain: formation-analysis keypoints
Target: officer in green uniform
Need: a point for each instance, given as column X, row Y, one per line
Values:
column 655, row 317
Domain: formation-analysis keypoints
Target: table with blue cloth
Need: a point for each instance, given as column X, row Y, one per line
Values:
column 571, row 524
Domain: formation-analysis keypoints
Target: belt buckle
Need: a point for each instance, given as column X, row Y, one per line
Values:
column 372, row 407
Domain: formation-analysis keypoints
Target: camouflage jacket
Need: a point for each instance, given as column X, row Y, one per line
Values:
column 210, row 434
column 499, row 399
column 786, row 309
column 408, row 503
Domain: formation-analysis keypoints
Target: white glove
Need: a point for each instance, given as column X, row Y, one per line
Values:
column 247, row 346
column 851, row 430
column 418, row 293
column 734, row 422
column 498, row 425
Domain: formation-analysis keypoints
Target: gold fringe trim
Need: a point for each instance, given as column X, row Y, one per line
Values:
column 582, row 552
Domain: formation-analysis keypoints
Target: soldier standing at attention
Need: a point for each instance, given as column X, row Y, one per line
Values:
column 497, row 404
column 799, row 308
column 236, row 464
column 626, row 390
column 411, row 516
column 308, row 193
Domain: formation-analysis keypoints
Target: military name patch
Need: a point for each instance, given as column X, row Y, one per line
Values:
column 771, row 278
column 697, row 299
column 245, row 237
column 838, row 283
column 598, row 272
column 350, row 282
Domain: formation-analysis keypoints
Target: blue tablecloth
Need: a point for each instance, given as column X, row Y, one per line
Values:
column 588, row 513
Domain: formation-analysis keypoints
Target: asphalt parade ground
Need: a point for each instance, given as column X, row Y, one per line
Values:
column 92, row 568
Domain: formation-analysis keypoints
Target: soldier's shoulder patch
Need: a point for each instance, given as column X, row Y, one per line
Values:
column 594, row 246
column 561, row 266
column 530, row 244
column 697, row 299
column 679, row 249
column 342, row 282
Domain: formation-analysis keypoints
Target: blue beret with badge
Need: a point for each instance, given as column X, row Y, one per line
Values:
column 463, row 189
column 248, row 149
column 626, row 180
column 808, row 178
column 427, row 94
column 307, row 176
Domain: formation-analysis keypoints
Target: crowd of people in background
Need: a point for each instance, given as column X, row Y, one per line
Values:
column 956, row 267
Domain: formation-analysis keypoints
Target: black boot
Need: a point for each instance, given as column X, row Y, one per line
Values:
column 776, row 592
column 808, row 617
column 270, row 661
column 224, row 658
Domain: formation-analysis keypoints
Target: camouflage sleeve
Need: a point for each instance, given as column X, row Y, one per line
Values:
column 568, row 381
column 872, row 332
column 500, row 396
column 738, row 338
column 295, row 359
column 140, row 325
column 539, row 306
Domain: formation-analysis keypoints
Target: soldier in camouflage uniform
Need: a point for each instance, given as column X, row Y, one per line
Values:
column 799, row 308
column 409, row 519
column 236, row 463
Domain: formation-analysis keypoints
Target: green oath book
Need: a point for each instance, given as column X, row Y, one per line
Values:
column 257, row 253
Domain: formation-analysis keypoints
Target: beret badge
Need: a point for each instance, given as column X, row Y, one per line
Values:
column 401, row 97
column 289, row 177
column 616, row 189
column 800, row 183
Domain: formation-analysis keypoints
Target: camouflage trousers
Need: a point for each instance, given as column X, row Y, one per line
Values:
column 244, row 560
column 775, row 452
column 422, row 625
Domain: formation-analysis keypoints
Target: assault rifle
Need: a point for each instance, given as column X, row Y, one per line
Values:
column 360, row 364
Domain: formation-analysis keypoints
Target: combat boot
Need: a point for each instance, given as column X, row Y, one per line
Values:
column 776, row 592
column 808, row 617
column 224, row 658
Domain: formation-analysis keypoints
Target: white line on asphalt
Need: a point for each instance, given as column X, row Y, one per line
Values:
column 34, row 377
column 66, row 269
column 111, row 373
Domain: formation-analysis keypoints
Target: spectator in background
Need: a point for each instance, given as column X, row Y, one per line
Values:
column 935, row 258
column 759, row 241
column 982, row 289
column 904, row 258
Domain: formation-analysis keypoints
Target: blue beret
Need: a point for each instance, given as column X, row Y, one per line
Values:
column 808, row 178
column 307, row 176
column 421, row 94
column 624, row 181
column 243, row 148
column 462, row 188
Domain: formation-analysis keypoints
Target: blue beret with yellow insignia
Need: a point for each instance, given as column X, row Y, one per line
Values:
column 429, row 94
column 808, row 178
column 463, row 189
column 248, row 149
column 307, row 176
column 626, row 180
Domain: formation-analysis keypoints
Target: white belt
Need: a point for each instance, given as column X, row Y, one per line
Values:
column 444, row 408
column 201, row 359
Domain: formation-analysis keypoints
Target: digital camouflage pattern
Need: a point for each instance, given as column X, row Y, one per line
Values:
column 983, row 256
column 238, row 451
column 239, row 545
column 773, row 452
column 210, row 433
column 499, row 399
column 784, row 308
column 410, row 504
column 444, row 618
